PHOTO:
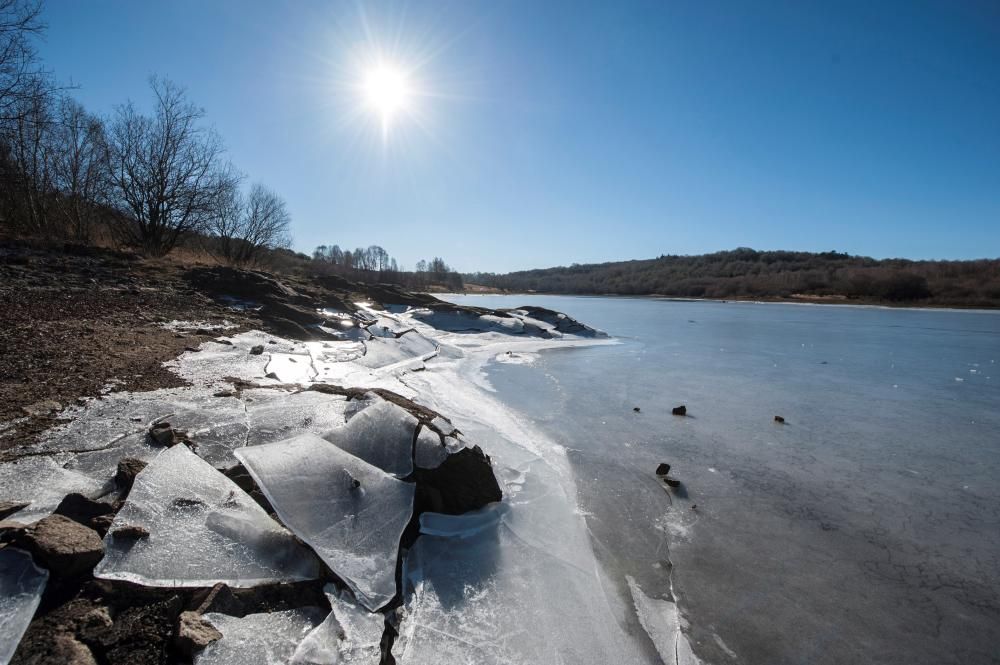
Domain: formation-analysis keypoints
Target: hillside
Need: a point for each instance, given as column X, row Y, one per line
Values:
column 747, row 273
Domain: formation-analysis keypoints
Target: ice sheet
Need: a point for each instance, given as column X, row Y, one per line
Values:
column 430, row 449
column 21, row 587
column 351, row 513
column 42, row 482
column 381, row 434
column 258, row 639
column 203, row 529
column 274, row 415
column 349, row 635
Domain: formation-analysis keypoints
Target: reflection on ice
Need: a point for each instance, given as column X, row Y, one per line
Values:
column 351, row 513
column 42, row 483
column 381, row 434
column 203, row 529
column 21, row 586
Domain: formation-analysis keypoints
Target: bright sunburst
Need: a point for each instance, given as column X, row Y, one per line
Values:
column 386, row 90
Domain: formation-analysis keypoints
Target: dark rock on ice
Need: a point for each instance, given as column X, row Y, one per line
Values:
column 663, row 469
column 636, row 409
column 672, row 482
column 8, row 508
column 65, row 547
column 128, row 469
column 257, row 350
column 194, row 634
column 80, row 509
column 463, row 482
column 779, row 419
column 130, row 532
column 679, row 410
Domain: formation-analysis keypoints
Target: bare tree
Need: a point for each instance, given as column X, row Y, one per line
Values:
column 167, row 175
column 80, row 168
column 246, row 225
column 27, row 135
column 19, row 70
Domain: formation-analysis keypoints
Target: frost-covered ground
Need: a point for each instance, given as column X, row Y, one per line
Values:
column 515, row 582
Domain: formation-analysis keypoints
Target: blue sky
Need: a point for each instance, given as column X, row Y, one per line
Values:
column 546, row 133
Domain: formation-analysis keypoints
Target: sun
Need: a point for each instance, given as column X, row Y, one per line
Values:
column 387, row 91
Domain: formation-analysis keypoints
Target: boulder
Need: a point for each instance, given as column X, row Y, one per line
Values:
column 130, row 532
column 80, row 509
column 463, row 482
column 162, row 434
column 679, row 410
column 663, row 469
column 636, row 409
column 128, row 469
column 8, row 508
column 779, row 419
column 672, row 482
column 221, row 599
column 194, row 634
column 65, row 547
column 257, row 350
column 60, row 648
column 142, row 634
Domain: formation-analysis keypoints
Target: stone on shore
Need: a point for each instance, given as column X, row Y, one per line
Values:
column 663, row 469
column 128, row 469
column 194, row 634
column 679, row 410
column 65, row 547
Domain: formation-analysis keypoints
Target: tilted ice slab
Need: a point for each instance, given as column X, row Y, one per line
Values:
column 42, row 483
column 258, row 639
column 350, row 512
column 203, row 529
column 21, row 587
column 382, row 435
column 350, row 635
column 274, row 415
column 381, row 352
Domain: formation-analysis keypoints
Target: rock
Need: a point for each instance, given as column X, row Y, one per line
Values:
column 194, row 634
column 221, row 599
column 192, row 349
column 8, row 508
column 80, row 509
column 141, row 634
column 272, row 375
column 257, row 350
column 463, row 482
column 779, row 419
column 636, row 409
column 224, row 393
column 128, row 469
column 224, row 341
column 101, row 524
column 672, row 482
column 65, row 547
column 165, row 435
column 162, row 434
column 130, row 532
column 663, row 469
column 679, row 410
column 60, row 648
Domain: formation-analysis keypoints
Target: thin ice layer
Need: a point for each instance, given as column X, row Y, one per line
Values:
column 382, row 435
column 349, row 635
column 524, row 589
column 203, row 529
column 430, row 449
column 350, row 512
column 21, row 587
column 275, row 414
column 383, row 352
column 258, row 639
column 41, row 482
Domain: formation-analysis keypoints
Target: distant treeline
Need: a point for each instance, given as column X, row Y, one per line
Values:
column 374, row 264
column 747, row 273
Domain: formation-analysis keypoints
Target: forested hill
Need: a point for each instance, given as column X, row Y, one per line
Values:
column 747, row 273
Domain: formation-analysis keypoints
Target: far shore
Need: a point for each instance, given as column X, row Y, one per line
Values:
column 836, row 301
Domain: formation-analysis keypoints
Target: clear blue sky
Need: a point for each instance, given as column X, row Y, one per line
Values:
column 547, row 133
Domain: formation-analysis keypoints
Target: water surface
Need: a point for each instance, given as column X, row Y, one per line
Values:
column 864, row 529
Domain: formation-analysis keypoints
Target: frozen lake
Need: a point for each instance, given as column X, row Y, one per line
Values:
column 864, row 529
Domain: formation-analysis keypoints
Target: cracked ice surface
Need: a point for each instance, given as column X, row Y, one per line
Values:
column 382, row 435
column 258, row 639
column 509, row 588
column 42, row 483
column 274, row 415
column 350, row 635
column 355, row 529
column 21, row 587
column 203, row 529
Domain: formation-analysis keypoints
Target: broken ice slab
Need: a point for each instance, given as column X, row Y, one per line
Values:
column 203, row 529
column 350, row 512
column 258, row 639
column 380, row 434
column 385, row 352
column 275, row 414
column 41, row 482
column 430, row 450
column 291, row 367
column 349, row 635
column 462, row 526
column 21, row 587
column 524, row 588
